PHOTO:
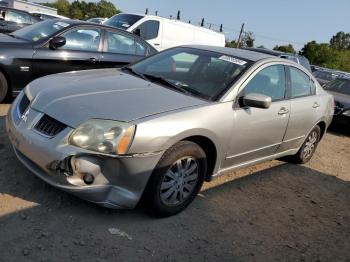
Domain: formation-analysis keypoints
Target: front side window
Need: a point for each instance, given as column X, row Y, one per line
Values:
column 149, row 29
column 201, row 73
column 270, row 81
column 301, row 84
column 82, row 39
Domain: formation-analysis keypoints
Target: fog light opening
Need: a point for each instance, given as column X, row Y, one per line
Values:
column 88, row 179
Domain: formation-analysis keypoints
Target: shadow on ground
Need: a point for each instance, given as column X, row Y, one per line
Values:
column 285, row 213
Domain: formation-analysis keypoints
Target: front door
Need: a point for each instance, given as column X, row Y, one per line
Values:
column 258, row 132
column 81, row 51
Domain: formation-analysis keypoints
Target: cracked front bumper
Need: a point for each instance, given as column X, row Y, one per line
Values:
column 119, row 181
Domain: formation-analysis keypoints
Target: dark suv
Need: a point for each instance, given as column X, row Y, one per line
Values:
column 13, row 19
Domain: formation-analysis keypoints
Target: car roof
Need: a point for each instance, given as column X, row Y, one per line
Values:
column 242, row 53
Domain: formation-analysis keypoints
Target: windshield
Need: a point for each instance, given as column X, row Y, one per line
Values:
column 201, row 73
column 41, row 30
column 325, row 75
column 339, row 85
column 123, row 21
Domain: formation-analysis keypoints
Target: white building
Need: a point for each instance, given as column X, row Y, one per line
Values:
column 28, row 6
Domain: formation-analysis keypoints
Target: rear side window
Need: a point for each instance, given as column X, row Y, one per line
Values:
column 149, row 29
column 301, row 84
column 121, row 44
column 270, row 81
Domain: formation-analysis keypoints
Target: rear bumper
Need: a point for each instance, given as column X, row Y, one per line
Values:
column 119, row 181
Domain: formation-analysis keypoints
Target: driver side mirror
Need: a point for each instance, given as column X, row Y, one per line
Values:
column 257, row 100
column 57, row 42
column 137, row 32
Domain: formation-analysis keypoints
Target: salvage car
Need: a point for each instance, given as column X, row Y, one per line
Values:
column 340, row 89
column 14, row 19
column 55, row 46
column 157, row 129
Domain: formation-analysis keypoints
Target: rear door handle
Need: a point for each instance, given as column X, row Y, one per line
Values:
column 283, row 111
column 315, row 105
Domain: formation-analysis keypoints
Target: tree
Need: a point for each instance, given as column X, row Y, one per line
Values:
column 106, row 9
column 232, row 44
column 340, row 41
column 247, row 39
column 285, row 48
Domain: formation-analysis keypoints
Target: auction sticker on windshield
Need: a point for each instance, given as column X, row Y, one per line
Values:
column 232, row 60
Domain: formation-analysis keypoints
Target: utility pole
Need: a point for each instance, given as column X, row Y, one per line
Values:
column 240, row 35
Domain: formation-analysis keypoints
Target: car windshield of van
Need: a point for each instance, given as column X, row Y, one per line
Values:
column 201, row 73
column 339, row 85
column 41, row 30
column 123, row 21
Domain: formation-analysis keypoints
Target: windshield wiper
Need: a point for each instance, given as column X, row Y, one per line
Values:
column 178, row 87
column 165, row 82
column 132, row 71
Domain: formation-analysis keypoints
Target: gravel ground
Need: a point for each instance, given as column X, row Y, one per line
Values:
column 270, row 212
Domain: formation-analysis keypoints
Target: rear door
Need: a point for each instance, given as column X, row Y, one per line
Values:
column 121, row 49
column 305, row 105
column 258, row 132
column 81, row 51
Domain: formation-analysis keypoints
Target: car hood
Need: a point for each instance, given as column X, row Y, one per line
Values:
column 76, row 97
column 8, row 41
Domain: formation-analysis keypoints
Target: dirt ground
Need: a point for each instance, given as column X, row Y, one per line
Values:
column 270, row 212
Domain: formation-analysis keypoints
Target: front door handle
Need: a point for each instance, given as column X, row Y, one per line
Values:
column 283, row 111
column 315, row 105
column 156, row 44
column 92, row 60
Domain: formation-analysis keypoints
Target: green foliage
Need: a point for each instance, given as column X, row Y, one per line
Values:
column 83, row 10
column 247, row 40
column 340, row 41
column 323, row 54
column 285, row 48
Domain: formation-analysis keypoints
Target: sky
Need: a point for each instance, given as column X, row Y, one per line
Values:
column 273, row 22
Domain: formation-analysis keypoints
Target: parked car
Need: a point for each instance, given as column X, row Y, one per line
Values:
column 162, row 126
column 55, row 46
column 45, row 16
column 325, row 76
column 301, row 60
column 340, row 89
column 163, row 33
column 13, row 19
column 97, row 20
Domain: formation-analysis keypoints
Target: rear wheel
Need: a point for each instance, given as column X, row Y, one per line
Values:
column 177, row 179
column 307, row 150
column 3, row 87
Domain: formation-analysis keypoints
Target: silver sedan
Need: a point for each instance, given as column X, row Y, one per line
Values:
column 158, row 129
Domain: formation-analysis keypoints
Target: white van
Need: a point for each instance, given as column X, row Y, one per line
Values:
column 163, row 33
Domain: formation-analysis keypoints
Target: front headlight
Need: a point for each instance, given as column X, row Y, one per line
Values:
column 346, row 113
column 104, row 136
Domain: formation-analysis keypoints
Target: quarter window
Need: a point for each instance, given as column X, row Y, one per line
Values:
column 149, row 29
column 270, row 81
column 82, row 39
column 301, row 84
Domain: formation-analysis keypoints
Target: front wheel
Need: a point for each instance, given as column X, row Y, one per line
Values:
column 3, row 87
column 309, row 146
column 177, row 179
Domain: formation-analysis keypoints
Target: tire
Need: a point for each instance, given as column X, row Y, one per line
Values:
column 169, row 191
column 3, row 87
column 308, row 148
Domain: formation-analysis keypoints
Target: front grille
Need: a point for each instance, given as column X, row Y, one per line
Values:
column 49, row 126
column 23, row 104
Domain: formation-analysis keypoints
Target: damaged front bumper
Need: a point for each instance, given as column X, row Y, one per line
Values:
column 111, row 181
